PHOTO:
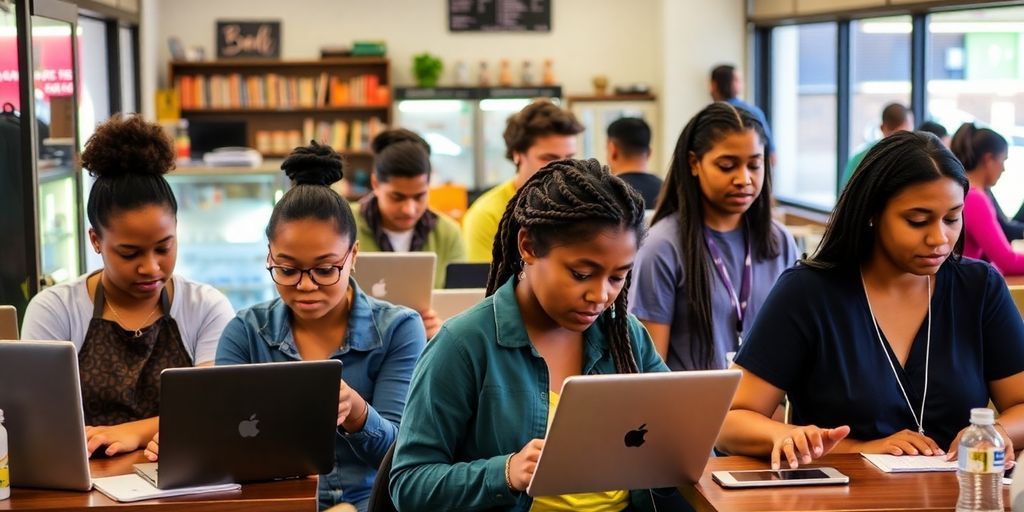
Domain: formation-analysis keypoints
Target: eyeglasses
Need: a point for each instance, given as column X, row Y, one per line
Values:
column 324, row 275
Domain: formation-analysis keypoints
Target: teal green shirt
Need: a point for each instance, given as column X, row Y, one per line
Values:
column 478, row 394
column 854, row 162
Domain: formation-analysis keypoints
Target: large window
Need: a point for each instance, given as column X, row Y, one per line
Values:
column 879, row 74
column 976, row 74
column 804, row 112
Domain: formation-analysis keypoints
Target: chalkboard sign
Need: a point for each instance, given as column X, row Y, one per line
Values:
column 499, row 15
column 248, row 39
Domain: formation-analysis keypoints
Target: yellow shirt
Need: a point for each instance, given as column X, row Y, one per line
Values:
column 587, row 502
column 480, row 224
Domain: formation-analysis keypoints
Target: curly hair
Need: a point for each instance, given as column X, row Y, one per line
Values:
column 128, row 157
column 566, row 202
column 538, row 119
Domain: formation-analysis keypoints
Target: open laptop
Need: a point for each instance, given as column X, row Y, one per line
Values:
column 466, row 275
column 662, row 432
column 8, row 323
column 246, row 422
column 448, row 303
column 403, row 278
column 42, row 403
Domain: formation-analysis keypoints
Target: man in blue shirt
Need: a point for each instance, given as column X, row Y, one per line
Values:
column 726, row 85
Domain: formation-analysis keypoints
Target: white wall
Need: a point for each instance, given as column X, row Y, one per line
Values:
column 670, row 44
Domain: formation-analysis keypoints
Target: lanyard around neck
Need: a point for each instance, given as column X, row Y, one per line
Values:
column 919, row 419
column 741, row 300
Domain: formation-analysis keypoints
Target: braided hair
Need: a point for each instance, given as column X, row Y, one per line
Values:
column 566, row 202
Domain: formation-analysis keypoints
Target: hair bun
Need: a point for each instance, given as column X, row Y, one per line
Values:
column 316, row 164
column 127, row 144
column 394, row 136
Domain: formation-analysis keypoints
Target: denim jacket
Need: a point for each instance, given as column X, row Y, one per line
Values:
column 381, row 346
column 478, row 394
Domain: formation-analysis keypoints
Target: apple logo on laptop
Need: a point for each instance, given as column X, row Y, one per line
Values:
column 379, row 289
column 635, row 438
column 249, row 428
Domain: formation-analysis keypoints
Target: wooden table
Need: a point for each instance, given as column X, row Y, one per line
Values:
column 1014, row 280
column 285, row 495
column 869, row 489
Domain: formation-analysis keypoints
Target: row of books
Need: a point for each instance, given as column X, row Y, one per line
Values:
column 275, row 91
column 341, row 135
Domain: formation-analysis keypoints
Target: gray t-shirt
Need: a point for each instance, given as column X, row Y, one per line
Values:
column 658, row 290
column 63, row 313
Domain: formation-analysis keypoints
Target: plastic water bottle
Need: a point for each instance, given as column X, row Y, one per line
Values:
column 5, row 472
column 980, row 459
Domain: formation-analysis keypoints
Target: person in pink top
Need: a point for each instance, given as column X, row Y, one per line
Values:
column 983, row 153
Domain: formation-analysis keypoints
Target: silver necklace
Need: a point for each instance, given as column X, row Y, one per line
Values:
column 136, row 333
column 919, row 419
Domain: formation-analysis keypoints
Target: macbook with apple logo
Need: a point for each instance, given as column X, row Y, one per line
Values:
column 632, row 431
column 402, row 278
column 245, row 423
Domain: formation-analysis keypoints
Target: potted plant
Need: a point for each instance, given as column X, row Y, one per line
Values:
column 427, row 69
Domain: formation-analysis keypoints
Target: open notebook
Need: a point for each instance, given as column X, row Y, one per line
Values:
column 910, row 463
column 132, row 487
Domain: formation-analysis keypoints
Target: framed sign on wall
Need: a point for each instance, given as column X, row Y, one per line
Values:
column 249, row 39
column 499, row 15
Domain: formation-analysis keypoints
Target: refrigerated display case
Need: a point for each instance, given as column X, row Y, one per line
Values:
column 597, row 112
column 222, row 215
column 464, row 127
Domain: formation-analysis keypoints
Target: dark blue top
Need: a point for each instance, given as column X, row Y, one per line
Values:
column 753, row 109
column 381, row 347
column 815, row 340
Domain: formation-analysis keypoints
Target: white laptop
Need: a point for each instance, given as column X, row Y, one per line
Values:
column 403, row 278
column 448, row 303
column 8, row 323
column 660, row 432
column 42, row 403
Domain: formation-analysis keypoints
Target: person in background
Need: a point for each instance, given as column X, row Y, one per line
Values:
column 485, row 390
column 713, row 252
column 895, row 118
column 936, row 129
column 886, row 338
column 322, row 314
column 983, row 153
column 537, row 135
column 133, row 318
column 395, row 217
column 629, row 151
column 727, row 85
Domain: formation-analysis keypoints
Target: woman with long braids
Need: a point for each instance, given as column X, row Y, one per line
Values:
column 714, row 252
column 487, row 385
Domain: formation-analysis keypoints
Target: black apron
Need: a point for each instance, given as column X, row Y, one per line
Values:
column 120, row 373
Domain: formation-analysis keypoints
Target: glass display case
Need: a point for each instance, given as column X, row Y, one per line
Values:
column 464, row 127
column 222, row 215
column 597, row 112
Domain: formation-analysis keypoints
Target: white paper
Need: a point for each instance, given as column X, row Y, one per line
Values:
column 132, row 487
column 910, row 463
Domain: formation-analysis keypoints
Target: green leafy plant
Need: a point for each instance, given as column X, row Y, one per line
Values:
column 427, row 69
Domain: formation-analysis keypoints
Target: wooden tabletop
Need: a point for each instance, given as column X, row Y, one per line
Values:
column 285, row 495
column 1014, row 280
column 869, row 489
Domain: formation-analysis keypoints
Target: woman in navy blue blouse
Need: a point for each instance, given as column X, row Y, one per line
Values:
column 887, row 337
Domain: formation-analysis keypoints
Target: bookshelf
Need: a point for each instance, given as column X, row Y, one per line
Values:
column 343, row 102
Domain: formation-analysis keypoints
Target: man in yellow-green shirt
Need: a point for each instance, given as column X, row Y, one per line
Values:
column 538, row 134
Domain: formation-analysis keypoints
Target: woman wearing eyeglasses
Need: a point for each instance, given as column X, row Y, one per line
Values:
column 322, row 314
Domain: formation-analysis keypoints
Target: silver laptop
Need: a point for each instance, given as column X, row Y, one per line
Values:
column 403, row 278
column 244, row 423
column 42, row 403
column 448, row 303
column 662, row 432
column 8, row 323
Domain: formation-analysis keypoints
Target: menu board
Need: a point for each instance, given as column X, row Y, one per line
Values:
column 499, row 15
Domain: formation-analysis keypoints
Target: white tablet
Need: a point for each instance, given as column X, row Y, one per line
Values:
column 781, row 477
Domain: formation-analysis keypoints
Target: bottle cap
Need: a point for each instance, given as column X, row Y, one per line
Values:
column 982, row 416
